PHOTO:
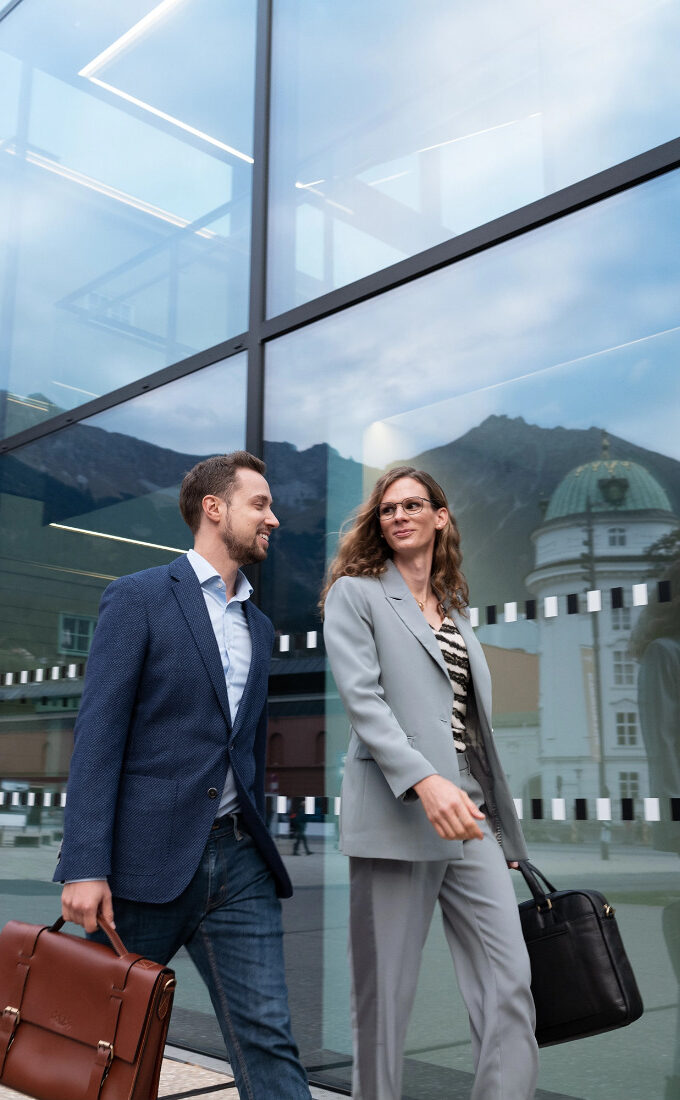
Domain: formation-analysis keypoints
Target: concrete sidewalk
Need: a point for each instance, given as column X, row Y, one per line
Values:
column 185, row 1079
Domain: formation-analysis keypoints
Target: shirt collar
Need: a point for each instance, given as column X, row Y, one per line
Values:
column 206, row 572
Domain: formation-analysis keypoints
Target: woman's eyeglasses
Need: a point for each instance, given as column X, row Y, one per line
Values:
column 410, row 507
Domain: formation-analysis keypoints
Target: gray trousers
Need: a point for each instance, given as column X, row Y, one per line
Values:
column 391, row 907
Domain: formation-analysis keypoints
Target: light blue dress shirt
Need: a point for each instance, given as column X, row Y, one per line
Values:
column 230, row 626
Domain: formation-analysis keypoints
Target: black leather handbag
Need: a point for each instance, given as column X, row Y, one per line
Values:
column 581, row 979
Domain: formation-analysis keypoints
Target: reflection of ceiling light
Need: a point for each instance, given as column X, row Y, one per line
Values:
column 29, row 402
column 388, row 179
column 313, row 183
column 171, row 118
column 77, row 389
column 331, row 202
column 132, row 35
column 111, row 192
column 140, row 28
column 478, row 133
column 118, row 538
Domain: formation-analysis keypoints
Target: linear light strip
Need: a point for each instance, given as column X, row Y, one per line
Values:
column 74, row 176
column 118, row 538
column 171, row 119
column 137, row 30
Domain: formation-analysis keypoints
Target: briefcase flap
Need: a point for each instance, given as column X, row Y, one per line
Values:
column 564, row 905
column 78, row 989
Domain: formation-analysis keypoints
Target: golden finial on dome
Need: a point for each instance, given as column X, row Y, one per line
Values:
column 605, row 446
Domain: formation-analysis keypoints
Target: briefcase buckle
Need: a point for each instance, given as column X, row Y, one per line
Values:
column 15, row 1015
column 609, row 910
column 106, row 1049
column 544, row 908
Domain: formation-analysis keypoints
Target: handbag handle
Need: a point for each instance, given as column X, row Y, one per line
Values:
column 531, row 876
column 114, row 939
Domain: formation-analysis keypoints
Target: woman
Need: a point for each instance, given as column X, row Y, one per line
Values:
column 426, row 811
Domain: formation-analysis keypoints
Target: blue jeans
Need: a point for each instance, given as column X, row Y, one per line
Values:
column 229, row 919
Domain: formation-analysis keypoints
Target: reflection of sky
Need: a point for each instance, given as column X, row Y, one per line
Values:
column 456, row 112
column 572, row 324
column 108, row 285
column 201, row 414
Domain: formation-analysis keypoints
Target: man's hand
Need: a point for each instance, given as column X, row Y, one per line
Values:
column 82, row 901
column 449, row 809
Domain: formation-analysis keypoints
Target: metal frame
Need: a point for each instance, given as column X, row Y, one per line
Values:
column 4, row 12
column 587, row 192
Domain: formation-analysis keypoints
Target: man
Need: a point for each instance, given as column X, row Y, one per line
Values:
column 164, row 824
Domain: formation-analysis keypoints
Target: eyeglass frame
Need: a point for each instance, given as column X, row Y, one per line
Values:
column 400, row 504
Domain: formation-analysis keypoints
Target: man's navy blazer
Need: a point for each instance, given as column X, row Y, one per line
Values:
column 154, row 738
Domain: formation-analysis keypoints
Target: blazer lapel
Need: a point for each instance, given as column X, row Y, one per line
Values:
column 478, row 668
column 401, row 599
column 192, row 603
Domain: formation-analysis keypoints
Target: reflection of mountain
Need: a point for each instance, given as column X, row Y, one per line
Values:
column 309, row 487
column 84, row 469
column 495, row 476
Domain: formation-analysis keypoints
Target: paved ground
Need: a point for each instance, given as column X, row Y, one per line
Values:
column 633, row 1063
column 179, row 1080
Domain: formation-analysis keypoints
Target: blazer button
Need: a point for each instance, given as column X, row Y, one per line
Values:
column 212, row 792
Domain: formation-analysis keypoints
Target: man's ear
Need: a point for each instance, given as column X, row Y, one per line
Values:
column 212, row 507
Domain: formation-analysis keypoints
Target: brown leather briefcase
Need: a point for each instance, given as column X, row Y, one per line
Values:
column 80, row 1020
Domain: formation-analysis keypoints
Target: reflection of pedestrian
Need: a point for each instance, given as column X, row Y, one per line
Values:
column 656, row 644
column 298, row 825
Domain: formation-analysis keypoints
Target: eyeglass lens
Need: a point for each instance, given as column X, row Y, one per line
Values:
column 411, row 506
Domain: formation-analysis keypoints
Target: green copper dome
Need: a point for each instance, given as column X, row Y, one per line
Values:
column 611, row 485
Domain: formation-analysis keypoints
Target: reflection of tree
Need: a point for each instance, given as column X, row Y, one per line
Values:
column 662, row 553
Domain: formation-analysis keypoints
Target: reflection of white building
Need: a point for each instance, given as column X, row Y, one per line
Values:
column 598, row 526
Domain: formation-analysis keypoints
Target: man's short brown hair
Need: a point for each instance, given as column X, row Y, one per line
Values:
column 216, row 476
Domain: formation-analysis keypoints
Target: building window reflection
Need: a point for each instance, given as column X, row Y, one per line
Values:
column 617, row 536
column 75, row 634
column 624, row 668
column 621, row 619
column 626, row 727
column 629, row 784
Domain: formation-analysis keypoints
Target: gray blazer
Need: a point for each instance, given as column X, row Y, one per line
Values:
column 396, row 690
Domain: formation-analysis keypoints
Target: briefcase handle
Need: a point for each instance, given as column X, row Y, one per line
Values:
column 115, row 940
column 531, row 876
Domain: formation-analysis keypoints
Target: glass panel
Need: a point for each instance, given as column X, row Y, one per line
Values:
column 125, row 179
column 396, row 126
column 538, row 383
column 77, row 509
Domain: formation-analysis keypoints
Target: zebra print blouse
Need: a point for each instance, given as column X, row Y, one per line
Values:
column 454, row 652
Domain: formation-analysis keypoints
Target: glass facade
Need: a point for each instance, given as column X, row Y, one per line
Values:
column 535, row 377
column 396, row 126
column 125, row 176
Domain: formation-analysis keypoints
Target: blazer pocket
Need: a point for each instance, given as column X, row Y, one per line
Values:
column 362, row 751
column 144, row 816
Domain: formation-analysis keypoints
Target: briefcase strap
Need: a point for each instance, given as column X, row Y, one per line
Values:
column 10, row 1014
column 9, row 1021
column 100, row 1070
column 531, row 877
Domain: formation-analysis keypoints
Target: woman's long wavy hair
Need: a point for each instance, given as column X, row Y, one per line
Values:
column 362, row 552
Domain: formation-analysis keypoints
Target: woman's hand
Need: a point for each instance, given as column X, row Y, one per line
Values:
column 449, row 809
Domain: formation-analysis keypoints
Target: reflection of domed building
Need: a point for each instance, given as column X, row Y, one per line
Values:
column 598, row 526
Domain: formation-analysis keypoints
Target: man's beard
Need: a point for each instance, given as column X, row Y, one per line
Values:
column 242, row 552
